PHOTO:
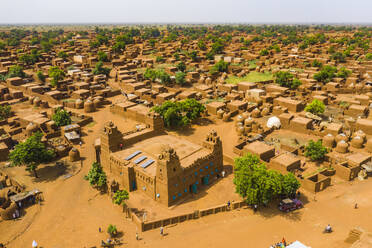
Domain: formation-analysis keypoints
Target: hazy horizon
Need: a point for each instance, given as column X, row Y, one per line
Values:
column 23, row 12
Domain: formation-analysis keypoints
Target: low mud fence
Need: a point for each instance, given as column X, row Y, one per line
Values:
column 149, row 225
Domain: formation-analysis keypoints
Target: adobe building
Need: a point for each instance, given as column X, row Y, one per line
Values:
column 164, row 167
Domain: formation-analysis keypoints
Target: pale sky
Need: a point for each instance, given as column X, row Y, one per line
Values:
column 185, row 11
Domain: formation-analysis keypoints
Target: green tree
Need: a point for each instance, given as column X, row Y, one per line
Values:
column 201, row 45
column 16, row 71
column 31, row 153
column 112, row 230
column 316, row 63
column 160, row 75
column 193, row 55
column 181, row 66
column 40, row 76
column 316, row 107
column 326, row 74
column 62, row 55
column 56, row 74
column 118, row 47
column 152, row 42
column 46, row 46
column 61, row 117
column 180, row 113
column 258, row 185
column 99, row 69
column 339, row 57
column 290, row 184
column 343, row 73
column 2, row 45
column 369, row 56
column 102, row 56
column 96, row 176
column 286, row 79
column 5, row 111
column 264, row 52
column 120, row 197
column 159, row 59
column 180, row 78
column 315, row 150
column 220, row 66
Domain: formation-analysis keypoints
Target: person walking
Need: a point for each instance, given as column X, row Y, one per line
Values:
column 161, row 231
column 137, row 238
column 228, row 204
column 99, row 229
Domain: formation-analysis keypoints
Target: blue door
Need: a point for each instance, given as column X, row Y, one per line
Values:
column 206, row 180
column 194, row 189
column 134, row 186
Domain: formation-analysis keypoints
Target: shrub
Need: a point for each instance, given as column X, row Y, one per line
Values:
column 181, row 66
column 264, row 52
column 120, row 197
column 96, row 176
column 343, row 73
column 180, row 78
column 326, row 74
column 159, row 59
column 112, row 230
column 315, row 150
column 161, row 75
column 220, row 66
column 5, row 111
column 61, row 118
column 316, row 107
column 317, row 63
column 286, row 79
column 40, row 76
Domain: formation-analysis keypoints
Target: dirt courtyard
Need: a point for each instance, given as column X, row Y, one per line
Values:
column 73, row 212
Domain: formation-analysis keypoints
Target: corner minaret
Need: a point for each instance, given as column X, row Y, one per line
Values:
column 167, row 172
column 111, row 138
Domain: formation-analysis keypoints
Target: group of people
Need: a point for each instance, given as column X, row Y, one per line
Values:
column 282, row 244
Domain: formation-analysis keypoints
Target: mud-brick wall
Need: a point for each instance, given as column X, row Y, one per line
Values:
column 346, row 173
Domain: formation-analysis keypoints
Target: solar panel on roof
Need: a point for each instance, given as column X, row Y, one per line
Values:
column 132, row 155
column 147, row 163
column 140, row 159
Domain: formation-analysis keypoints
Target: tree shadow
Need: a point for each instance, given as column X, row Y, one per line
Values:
column 272, row 210
column 50, row 172
column 185, row 131
column 204, row 121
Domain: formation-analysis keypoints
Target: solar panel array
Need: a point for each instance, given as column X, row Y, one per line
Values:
column 147, row 163
column 139, row 160
column 133, row 155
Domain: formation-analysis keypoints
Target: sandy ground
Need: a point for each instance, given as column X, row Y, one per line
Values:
column 73, row 212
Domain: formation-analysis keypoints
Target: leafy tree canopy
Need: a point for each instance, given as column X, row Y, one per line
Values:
column 315, row 150
column 180, row 113
column 286, row 79
column 96, row 176
column 316, row 107
column 56, row 74
column 120, row 197
column 258, row 185
column 5, row 111
column 31, row 153
column 61, row 117
column 99, row 69
column 16, row 71
column 220, row 66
